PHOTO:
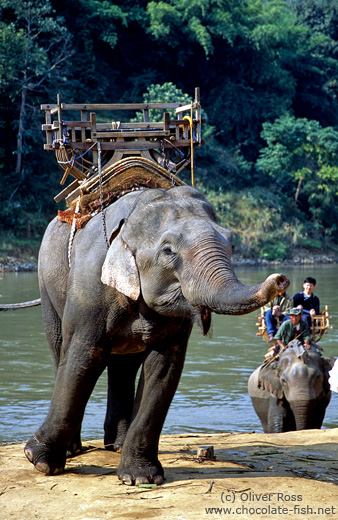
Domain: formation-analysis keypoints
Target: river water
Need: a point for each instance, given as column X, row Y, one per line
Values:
column 212, row 395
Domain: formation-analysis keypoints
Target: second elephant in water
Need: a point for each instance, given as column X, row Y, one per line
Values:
column 291, row 393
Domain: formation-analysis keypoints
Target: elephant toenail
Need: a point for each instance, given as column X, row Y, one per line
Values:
column 141, row 480
column 158, row 480
column 29, row 454
column 127, row 480
column 43, row 467
column 57, row 471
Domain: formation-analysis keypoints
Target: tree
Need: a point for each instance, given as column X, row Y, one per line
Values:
column 166, row 93
column 301, row 157
column 35, row 49
column 316, row 73
column 43, row 46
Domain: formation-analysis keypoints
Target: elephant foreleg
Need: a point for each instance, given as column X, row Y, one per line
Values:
column 319, row 411
column 279, row 416
column 161, row 373
column 122, row 371
column 53, row 329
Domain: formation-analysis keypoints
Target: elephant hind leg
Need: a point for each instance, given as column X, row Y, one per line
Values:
column 161, row 373
column 122, row 372
column 75, row 446
column 261, row 406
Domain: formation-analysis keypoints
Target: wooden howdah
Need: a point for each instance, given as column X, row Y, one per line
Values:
column 90, row 139
column 320, row 325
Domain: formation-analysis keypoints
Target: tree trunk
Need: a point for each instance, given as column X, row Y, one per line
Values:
column 19, row 146
column 298, row 190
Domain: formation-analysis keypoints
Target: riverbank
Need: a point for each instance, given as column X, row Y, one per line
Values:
column 12, row 264
column 303, row 257
column 287, row 476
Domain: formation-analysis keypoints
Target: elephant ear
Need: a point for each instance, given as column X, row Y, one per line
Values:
column 119, row 269
column 268, row 379
column 328, row 363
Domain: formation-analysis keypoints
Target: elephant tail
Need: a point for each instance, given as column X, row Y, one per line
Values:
column 22, row 305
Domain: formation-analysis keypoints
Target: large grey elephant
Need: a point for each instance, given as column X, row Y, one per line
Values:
column 134, row 304
column 292, row 393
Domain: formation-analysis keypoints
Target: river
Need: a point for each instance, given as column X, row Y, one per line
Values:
column 212, row 395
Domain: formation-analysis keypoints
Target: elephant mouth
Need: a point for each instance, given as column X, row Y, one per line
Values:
column 203, row 318
column 282, row 282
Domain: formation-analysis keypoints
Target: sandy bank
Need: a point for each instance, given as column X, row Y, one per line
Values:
column 254, row 476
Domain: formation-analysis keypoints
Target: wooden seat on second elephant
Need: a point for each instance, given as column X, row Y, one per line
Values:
column 320, row 325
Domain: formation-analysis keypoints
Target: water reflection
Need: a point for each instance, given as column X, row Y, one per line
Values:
column 212, row 395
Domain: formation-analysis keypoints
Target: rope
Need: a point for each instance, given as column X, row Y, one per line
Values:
column 75, row 157
column 190, row 119
column 103, row 213
column 72, row 233
column 104, row 225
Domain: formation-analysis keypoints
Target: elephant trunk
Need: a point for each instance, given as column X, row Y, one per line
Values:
column 213, row 283
column 303, row 413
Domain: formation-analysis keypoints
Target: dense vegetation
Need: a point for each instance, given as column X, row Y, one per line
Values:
column 268, row 74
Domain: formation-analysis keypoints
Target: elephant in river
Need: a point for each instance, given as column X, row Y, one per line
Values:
column 292, row 393
column 128, row 306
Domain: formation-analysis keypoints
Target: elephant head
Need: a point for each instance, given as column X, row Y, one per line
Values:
column 170, row 250
column 302, row 383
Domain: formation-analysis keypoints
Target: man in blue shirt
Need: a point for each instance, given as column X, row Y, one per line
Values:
column 307, row 301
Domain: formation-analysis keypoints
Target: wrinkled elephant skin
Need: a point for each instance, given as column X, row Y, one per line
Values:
column 127, row 307
column 291, row 393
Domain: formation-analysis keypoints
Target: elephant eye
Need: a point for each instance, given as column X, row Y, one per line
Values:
column 283, row 380
column 167, row 250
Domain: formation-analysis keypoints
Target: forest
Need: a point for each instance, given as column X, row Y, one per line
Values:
column 268, row 76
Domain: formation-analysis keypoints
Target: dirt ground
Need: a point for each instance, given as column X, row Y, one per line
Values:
column 254, row 476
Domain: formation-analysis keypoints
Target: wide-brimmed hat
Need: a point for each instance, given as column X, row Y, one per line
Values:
column 295, row 312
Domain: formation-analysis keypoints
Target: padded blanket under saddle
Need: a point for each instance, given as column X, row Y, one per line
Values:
column 120, row 178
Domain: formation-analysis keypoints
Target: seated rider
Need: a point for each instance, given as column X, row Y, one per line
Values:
column 307, row 301
column 280, row 307
column 293, row 333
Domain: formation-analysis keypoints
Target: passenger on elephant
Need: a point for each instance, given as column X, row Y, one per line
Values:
column 307, row 301
column 278, row 307
column 293, row 333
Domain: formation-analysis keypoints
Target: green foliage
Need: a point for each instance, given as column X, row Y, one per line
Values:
column 166, row 93
column 200, row 21
column 256, row 220
column 34, row 49
column 268, row 74
column 302, row 159
column 106, row 17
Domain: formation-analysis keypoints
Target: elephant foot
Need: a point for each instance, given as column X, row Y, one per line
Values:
column 136, row 474
column 75, row 447
column 50, row 461
column 117, row 447
column 114, row 441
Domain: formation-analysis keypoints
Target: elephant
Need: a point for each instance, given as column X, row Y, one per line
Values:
column 131, row 304
column 291, row 393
